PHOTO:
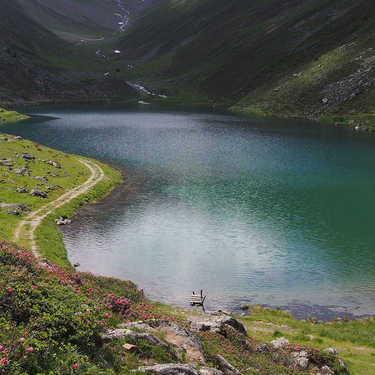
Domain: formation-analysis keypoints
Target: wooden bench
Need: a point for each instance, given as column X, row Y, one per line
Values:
column 197, row 299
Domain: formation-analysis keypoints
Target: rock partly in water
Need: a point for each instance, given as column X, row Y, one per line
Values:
column 62, row 221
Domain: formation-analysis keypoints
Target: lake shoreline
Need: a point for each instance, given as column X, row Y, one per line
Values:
column 126, row 192
column 181, row 190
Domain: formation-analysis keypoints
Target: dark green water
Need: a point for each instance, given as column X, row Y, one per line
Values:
column 249, row 210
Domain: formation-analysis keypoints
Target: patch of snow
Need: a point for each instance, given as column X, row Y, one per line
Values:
column 140, row 87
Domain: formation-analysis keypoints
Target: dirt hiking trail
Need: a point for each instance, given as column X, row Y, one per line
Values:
column 26, row 228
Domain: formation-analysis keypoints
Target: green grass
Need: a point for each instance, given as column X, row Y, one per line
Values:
column 11, row 115
column 354, row 340
column 55, row 181
column 48, row 236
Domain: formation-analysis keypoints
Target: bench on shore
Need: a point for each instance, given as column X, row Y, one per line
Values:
column 197, row 299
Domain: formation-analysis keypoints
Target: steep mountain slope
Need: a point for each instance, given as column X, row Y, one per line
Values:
column 36, row 65
column 76, row 19
column 238, row 51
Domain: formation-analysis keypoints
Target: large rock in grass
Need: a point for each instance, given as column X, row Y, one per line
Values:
column 38, row 193
column 214, row 321
column 28, row 156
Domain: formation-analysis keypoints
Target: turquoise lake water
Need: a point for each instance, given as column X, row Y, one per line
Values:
column 251, row 210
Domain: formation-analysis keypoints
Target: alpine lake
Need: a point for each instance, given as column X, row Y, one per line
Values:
column 251, row 210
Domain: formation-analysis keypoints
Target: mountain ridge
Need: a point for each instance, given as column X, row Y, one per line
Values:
column 310, row 59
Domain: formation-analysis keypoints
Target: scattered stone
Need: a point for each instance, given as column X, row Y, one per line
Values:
column 325, row 370
column 262, row 348
column 331, row 350
column 61, row 221
column 76, row 264
column 226, row 367
column 325, row 101
column 209, row 371
column 15, row 207
column 43, row 179
column 28, row 156
column 24, row 208
column 120, row 333
column 335, row 353
column 213, row 321
column 280, row 342
column 50, row 162
column 116, row 334
column 301, row 359
column 183, row 341
column 21, row 190
column 38, row 193
column 22, row 171
column 130, row 347
column 13, row 212
column 178, row 369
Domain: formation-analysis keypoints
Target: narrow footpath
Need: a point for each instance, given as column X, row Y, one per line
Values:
column 26, row 228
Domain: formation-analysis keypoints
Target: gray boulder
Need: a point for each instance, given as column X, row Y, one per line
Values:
column 28, row 156
column 38, row 193
column 280, row 342
column 226, row 367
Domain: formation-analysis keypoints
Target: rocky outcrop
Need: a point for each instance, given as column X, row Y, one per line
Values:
column 182, row 340
column 137, row 336
column 214, row 321
column 15, row 209
column 278, row 343
column 226, row 367
column 355, row 84
column 182, row 343
column 177, row 369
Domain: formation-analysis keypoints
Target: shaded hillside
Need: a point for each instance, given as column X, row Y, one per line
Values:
column 75, row 19
column 36, row 65
column 233, row 49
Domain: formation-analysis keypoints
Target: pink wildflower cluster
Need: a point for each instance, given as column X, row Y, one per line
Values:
column 4, row 360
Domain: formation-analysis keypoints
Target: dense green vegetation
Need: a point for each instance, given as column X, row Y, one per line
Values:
column 52, row 319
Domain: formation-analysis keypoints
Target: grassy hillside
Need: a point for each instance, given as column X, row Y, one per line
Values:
column 36, row 65
column 257, row 56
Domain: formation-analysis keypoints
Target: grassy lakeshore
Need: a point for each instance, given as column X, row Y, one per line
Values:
column 33, row 176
